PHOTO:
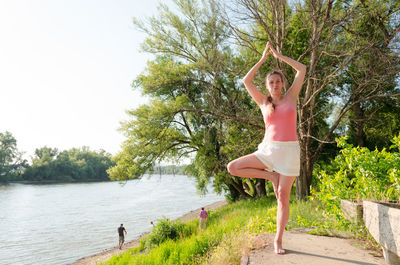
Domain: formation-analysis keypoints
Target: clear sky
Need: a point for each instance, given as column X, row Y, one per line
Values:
column 66, row 68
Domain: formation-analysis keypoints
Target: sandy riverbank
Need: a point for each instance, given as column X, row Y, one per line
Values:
column 105, row 255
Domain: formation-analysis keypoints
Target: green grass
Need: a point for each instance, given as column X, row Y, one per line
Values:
column 227, row 236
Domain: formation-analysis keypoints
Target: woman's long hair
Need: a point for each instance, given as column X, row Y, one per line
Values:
column 271, row 106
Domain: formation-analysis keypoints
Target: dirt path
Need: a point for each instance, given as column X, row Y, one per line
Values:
column 304, row 249
column 105, row 255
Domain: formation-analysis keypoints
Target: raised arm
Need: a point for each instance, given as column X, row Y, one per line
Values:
column 257, row 96
column 294, row 91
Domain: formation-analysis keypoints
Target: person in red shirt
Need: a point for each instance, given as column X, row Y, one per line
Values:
column 203, row 218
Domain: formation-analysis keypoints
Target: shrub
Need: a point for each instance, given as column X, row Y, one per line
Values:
column 166, row 229
column 359, row 174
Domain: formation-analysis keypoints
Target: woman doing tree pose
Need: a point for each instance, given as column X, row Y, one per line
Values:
column 278, row 156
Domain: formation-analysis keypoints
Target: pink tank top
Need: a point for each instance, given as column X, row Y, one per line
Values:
column 281, row 124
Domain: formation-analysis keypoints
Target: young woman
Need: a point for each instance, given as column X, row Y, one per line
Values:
column 278, row 156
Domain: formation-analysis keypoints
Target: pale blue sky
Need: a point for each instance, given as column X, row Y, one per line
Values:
column 66, row 69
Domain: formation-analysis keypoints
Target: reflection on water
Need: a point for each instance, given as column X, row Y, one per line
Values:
column 60, row 223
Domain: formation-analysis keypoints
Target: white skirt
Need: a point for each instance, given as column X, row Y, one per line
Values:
column 281, row 157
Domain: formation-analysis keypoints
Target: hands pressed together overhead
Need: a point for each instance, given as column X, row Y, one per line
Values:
column 269, row 49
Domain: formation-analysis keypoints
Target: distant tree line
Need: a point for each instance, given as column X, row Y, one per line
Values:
column 50, row 164
column 168, row 170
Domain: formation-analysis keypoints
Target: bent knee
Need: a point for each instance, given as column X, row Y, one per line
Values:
column 232, row 168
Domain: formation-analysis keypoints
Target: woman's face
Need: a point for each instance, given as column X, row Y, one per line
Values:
column 274, row 84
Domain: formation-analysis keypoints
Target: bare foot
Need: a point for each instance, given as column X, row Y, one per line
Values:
column 278, row 248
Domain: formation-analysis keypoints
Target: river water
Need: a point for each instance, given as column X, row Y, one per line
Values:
column 61, row 223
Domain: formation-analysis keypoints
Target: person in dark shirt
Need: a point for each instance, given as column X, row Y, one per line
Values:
column 121, row 231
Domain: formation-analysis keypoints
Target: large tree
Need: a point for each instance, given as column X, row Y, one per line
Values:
column 197, row 108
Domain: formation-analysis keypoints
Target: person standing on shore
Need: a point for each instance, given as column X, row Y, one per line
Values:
column 203, row 218
column 278, row 156
column 121, row 232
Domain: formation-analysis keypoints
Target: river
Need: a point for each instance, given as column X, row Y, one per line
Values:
column 60, row 223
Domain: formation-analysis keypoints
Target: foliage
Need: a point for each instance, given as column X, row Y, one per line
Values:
column 76, row 164
column 230, row 250
column 373, row 119
column 359, row 174
column 263, row 225
column 168, row 230
column 11, row 162
column 153, row 133
column 383, row 125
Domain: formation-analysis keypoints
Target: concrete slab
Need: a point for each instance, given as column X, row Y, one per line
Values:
column 302, row 248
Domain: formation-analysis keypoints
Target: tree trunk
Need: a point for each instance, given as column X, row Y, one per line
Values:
column 358, row 124
column 304, row 180
column 306, row 113
column 260, row 188
column 240, row 188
